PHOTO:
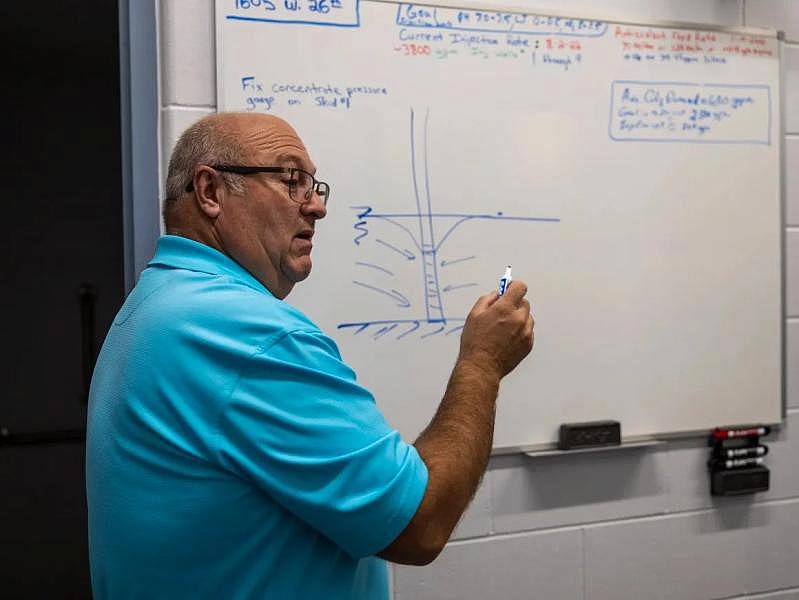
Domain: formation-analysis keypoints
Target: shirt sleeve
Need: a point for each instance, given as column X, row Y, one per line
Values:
column 299, row 426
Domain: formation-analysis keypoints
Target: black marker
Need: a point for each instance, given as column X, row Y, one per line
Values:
column 745, row 452
column 736, row 463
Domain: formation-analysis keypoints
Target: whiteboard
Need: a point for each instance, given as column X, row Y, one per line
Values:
column 630, row 174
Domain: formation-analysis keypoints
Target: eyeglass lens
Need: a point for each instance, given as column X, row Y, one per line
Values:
column 303, row 185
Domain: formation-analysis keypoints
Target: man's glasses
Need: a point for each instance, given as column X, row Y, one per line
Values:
column 301, row 184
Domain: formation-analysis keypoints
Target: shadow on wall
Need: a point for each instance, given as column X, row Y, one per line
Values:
column 562, row 481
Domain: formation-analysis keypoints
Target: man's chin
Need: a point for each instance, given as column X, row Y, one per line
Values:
column 300, row 272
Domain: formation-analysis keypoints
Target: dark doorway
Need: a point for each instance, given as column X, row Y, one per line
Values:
column 61, row 276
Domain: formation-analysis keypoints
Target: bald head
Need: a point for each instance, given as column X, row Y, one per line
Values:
column 221, row 138
column 264, row 134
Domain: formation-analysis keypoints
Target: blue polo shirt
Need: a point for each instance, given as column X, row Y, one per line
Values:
column 230, row 452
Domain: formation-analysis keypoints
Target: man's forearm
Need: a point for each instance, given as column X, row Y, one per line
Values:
column 497, row 335
column 457, row 443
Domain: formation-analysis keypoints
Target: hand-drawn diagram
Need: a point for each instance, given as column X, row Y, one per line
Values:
column 422, row 227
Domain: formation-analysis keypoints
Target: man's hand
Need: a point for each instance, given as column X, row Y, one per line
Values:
column 498, row 332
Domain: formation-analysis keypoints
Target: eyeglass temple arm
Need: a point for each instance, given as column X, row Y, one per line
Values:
column 242, row 171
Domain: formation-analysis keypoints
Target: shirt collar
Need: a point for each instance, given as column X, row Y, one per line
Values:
column 178, row 252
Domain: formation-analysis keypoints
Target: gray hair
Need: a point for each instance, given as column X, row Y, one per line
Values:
column 206, row 142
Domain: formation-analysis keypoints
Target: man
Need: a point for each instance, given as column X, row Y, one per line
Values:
column 230, row 453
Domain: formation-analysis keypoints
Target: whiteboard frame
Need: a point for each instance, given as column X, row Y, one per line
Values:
column 140, row 126
column 546, row 449
column 783, row 225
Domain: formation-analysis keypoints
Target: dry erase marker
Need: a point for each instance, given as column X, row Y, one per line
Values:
column 723, row 434
column 745, row 452
column 505, row 281
column 737, row 463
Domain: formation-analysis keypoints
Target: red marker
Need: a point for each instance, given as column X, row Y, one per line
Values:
column 723, row 434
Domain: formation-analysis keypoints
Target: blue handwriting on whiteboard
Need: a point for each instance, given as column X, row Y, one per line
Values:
column 332, row 13
column 422, row 229
column 690, row 112
column 263, row 98
column 438, row 17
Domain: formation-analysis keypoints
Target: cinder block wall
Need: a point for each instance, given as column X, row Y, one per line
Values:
column 634, row 524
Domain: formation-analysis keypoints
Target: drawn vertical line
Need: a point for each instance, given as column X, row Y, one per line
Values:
column 427, row 177
column 419, row 210
column 413, row 173
column 431, row 227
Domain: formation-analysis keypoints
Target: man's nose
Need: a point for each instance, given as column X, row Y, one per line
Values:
column 315, row 206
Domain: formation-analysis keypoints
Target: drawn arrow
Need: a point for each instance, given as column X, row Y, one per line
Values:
column 384, row 330
column 437, row 331
column 378, row 267
column 406, row 253
column 414, row 326
column 401, row 300
column 449, row 288
column 446, row 263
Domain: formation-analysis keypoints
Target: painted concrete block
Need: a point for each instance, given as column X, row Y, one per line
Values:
column 792, row 180
column 539, row 565
column 792, row 273
column 736, row 549
column 791, row 80
column 792, row 364
column 552, row 491
column 782, row 15
column 188, row 52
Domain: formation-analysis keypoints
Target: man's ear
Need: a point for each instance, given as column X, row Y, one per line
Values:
column 208, row 191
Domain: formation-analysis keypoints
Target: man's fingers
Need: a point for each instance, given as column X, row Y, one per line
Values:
column 515, row 291
column 514, row 294
column 485, row 301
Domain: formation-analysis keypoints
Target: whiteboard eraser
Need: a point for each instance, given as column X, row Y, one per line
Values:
column 589, row 434
column 733, row 482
